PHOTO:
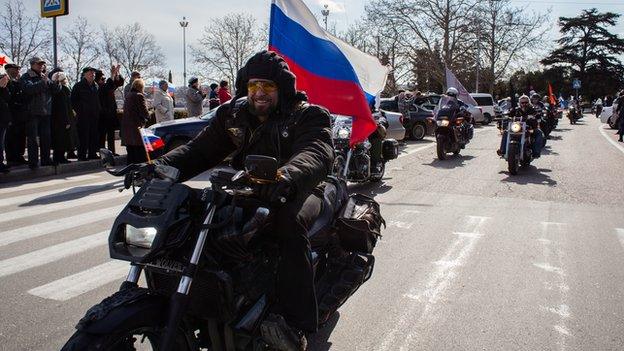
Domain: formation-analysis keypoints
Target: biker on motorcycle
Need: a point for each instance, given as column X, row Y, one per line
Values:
column 457, row 106
column 528, row 114
column 275, row 121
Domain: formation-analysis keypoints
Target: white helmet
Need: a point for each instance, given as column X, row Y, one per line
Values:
column 452, row 92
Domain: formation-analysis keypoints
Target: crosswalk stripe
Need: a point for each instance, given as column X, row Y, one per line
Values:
column 41, row 229
column 28, row 211
column 82, row 282
column 620, row 235
column 41, row 196
column 37, row 185
column 51, row 254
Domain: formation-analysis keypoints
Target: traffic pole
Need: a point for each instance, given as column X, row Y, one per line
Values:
column 54, row 41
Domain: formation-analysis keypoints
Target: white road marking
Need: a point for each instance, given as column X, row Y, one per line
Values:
column 399, row 224
column 51, row 254
column 34, row 210
column 439, row 280
column 51, row 194
column 562, row 311
column 619, row 146
column 45, row 228
column 37, row 185
column 620, row 235
column 82, row 282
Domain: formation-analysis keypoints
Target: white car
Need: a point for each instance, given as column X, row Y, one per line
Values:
column 609, row 116
column 395, row 128
column 486, row 103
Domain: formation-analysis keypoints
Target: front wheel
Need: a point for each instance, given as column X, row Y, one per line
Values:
column 378, row 176
column 339, row 165
column 145, row 337
column 512, row 159
column 440, row 149
column 418, row 131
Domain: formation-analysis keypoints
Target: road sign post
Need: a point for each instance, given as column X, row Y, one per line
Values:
column 576, row 85
column 54, row 8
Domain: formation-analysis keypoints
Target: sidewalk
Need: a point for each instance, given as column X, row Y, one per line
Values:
column 22, row 173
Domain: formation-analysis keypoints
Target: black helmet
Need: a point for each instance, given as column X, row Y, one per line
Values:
column 535, row 96
column 269, row 65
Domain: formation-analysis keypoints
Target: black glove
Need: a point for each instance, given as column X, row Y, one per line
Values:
column 277, row 192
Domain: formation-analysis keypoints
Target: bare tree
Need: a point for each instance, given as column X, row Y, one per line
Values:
column 227, row 43
column 506, row 34
column 439, row 28
column 79, row 46
column 22, row 36
column 133, row 48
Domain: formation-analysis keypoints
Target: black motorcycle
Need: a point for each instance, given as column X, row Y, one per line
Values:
column 574, row 114
column 210, row 261
column 451, row 133
column 518, row 144
column 354, row 164
column 549, row 120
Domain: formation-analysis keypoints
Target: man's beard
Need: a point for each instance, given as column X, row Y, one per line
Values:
column 263, row 111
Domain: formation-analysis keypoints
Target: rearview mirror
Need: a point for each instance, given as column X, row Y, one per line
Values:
column 261, row 167
column 107, row 158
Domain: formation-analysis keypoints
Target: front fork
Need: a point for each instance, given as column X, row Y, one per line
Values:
column 179, row 300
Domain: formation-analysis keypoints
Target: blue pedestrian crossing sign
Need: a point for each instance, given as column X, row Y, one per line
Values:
column 576, row 84
column 54, row 8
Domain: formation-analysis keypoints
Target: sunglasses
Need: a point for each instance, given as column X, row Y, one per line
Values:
column 524, row 102
column 266, row 86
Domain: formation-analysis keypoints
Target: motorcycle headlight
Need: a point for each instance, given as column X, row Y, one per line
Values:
column 141, row 237
column 443, row 122
column 343, row 133
column 516, row 127
column 367, row 145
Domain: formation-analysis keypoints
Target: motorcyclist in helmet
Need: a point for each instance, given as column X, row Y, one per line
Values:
column 528, row 114
column 459, row 108
column 274, row 120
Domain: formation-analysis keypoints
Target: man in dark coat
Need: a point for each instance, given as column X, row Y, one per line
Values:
column 38, row 90
column 61, row 117
column 274, row 121
column 135, row 114
column 85, row 101
column 16, row 133
column 108, row 116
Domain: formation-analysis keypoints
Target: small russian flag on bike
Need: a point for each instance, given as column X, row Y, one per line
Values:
column 334, row 74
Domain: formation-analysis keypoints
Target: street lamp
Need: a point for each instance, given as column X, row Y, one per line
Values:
column 184, row 23
column 325, row 13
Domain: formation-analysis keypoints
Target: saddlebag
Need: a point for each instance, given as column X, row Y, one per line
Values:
column 390, row 149
column 359, row 224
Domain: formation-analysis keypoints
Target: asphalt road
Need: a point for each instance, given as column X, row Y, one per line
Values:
column 472, row 259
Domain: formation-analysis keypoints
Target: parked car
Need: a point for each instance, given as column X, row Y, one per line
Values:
column 394, row 129
column 609, row 116
column 486, row 103
column 419, row 122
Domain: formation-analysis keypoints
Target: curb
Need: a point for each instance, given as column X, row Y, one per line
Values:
column 25, row 173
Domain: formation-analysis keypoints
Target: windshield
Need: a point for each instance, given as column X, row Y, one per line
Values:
column 483, row 100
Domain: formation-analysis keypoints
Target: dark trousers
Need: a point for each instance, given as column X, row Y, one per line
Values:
column 107, row 134
column 136, row 154
column 296, row 296
column 16, row 141
column 88, row 137
column 61, row 142
column 38, row 126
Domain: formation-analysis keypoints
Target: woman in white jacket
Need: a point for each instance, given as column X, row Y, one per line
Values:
column 163, row 103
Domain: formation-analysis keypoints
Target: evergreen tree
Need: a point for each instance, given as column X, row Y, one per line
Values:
column 589, row 51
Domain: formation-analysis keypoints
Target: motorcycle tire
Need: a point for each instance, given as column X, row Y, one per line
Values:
column 377, row 178
column 512, row 159
column 122, row 340
column 440, row 150
column 339, row 165
column 142, row 329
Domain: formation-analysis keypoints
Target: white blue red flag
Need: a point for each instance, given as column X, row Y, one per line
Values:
column 151, row 142
column 452, row 81
column 334, row 74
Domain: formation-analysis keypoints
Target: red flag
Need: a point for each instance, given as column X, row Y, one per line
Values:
column 551, row 96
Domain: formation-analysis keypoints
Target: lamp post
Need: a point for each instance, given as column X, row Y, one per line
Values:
column 184, row 23
column 325, row 13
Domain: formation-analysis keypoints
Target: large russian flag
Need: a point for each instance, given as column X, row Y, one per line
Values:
column 333, row 74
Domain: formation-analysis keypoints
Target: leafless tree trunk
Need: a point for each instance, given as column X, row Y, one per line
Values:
column 227, row 43
column 79, row 46
column 133, row 48
column 506, row 34
column 22, row 36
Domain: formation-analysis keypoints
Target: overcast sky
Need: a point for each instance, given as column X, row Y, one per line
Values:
column 161, row 17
